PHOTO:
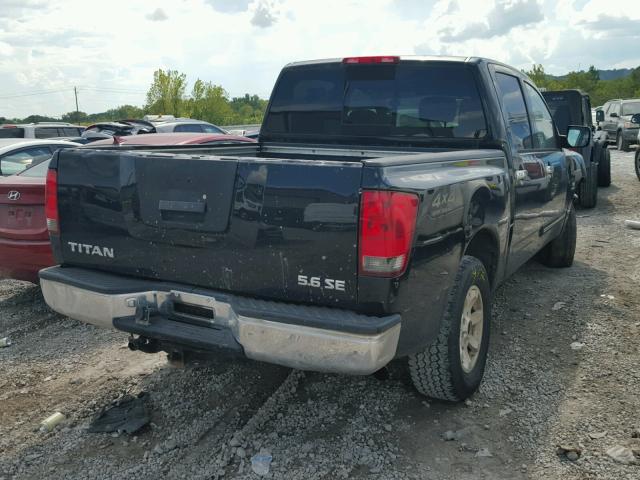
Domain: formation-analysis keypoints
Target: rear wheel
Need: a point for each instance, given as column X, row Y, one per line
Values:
column 561, row 250
column 638, row 163
column 621, row 143
column 452, row 367
column 588, row 189
column 604, row 169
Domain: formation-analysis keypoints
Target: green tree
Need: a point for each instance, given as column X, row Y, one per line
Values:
column 209, row 102
column 166, row 94
column 75, row 117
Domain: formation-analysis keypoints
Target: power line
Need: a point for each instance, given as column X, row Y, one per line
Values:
column 45, row 92
column 113, row 90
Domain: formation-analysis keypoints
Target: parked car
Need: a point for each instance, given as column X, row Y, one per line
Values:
column 120, row 128
column 24, row 239
column 636, row 119
column 573, row 107
column 40, row 130
column 169, row 123
column 18, row 154
column 160, row 139
column 615, row 119
column 389, row 196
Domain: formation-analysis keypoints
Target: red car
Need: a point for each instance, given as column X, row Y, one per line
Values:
column 24, row 239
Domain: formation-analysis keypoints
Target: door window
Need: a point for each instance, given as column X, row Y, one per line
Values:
column 188, row 127
column 72, row 131
column 17, row 161
column 615, row 108
column 11, row 132
column 515, row 110
column 47, row 132
column 210, row 129
column 544, row 135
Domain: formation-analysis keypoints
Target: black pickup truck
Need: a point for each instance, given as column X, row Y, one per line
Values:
column 386, row 199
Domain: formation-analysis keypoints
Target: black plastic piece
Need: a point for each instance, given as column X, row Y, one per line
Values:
column 178, row 333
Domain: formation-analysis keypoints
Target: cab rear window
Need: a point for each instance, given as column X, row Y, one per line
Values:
column 418, row 100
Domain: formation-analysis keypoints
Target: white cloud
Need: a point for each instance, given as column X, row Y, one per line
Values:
column 265, row 14
column 158, row 15
column 243, row 44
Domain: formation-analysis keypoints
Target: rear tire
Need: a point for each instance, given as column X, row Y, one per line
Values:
column 621, row 143
column 604, row 169
column 638, row 163
column 560, row 251
column 588, row 189
column 452, row 367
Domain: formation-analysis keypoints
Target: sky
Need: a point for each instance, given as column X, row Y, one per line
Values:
column 109, row 50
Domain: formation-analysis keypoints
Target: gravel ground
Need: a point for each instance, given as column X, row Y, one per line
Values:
column 563, row 370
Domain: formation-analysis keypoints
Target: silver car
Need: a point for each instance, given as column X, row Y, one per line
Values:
column 17, row 154
column 171, row 124
column 40, row 130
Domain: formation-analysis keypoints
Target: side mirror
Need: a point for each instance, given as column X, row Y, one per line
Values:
column 599, row 115
column 578, row 136
column 635, row 118
column 613, row 115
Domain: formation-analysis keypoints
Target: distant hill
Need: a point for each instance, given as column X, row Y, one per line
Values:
column 605, row 74
column 613, row 74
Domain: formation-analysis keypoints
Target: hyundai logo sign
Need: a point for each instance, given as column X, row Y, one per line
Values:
column 13, row 195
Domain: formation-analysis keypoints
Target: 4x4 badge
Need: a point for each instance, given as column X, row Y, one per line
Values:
column 13, row 195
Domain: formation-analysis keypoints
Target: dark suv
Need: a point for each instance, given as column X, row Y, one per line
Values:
column 615, row 119
column 573, row 107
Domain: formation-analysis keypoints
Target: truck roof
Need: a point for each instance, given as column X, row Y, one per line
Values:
column 419, row 58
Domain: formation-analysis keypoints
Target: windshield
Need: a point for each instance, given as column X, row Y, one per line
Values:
column 630, row 108
column 418, row 100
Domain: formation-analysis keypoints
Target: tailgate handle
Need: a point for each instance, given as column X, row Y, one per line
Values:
column 176, row 206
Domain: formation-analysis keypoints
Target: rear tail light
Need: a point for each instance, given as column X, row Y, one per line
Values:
column 387, row 227
column 369, row 60
column 51, row 202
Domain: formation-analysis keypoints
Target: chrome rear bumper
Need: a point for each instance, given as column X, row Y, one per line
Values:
column 267, row 331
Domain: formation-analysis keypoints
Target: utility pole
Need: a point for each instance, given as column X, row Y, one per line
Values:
column 75, row 91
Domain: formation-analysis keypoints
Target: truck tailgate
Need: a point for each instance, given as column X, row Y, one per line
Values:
column 277, row 229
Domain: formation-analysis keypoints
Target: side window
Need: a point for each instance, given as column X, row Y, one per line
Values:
column 544, row 135
column 188, row 127
column 72, row 132
column 47, row 132
column 515, row 110
column 210, row 129
column 616, row 108
column 11, row 132
column 18, row 161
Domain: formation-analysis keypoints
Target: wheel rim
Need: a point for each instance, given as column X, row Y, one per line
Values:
column 471, row 326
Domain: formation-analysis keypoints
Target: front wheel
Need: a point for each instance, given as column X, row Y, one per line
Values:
column 621, row 143
column 452, row 367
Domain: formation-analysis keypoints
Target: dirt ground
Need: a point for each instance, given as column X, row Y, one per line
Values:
column 209, row 419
